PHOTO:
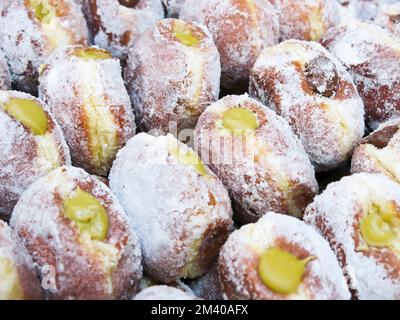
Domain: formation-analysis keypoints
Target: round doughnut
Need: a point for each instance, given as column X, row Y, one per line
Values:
column 84, row 89
column 78, row 235
column 173, row 7
column 380, row 151
column 280, row 258
column 373, row 58
column 306, row 20
column 172, row 75
column 19, row 280
column 179, row 209
column 208, row 286
column 257, row 157
column 360, row 217
column 31, row 144
column 31, row 29
column 241, row 30
column 5, row 80
column 163, row 293
column 116, row 25
column 389, row 18
column 307, row 86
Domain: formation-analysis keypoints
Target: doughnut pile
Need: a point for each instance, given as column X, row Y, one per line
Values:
column 199, row 149
column 116, row 25
column 31, row 29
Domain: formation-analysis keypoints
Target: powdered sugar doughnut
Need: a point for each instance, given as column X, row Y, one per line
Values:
column 179, row 209
column 172, row 75
column 389, row 18
column 31, row 29
column 360, row 217
column 257, row 157
column 241, row 30
column 306, row 20
column 208, row 286
column 5, row 80
column 19, row 280
column 84, row 88
column 31, row 145
column 347, row 9
column 173, row 7
column 380, row 151
column 79, row 237
column 373, row 58
column 116, row 25
column 163, row 293
column 280, row 258
column 307, row 86
column 368, row 9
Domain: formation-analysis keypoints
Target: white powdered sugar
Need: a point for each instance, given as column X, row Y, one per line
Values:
column 238, row 263
column 26, row 43
column 71, row 264
column 163, row 293
column 116, row 27
column 25, row 157
column 172, row 207
column 265, row 170
column 170, row 83
column 5, row 80
column 241, row 30
column 328, row 125
column 337, row 213
column 90, row 102
column 373, row 58
column 389, row 18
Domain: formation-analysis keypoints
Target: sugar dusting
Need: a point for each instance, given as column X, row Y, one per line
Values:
column 163, row 293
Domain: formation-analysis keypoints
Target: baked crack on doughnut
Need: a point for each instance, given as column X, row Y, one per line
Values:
column 280, row 258
column 257, row 157
column 309, row 87
column 79, row 237
column 31, row 29
column 178, row 207
column 31, row 143
column 360, row 217
column 84, row 89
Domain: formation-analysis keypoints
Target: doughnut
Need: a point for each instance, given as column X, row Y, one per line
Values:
column 307, row 86
column 116, row 25
column 360, row 217
column 147, row 282
column 172, row 75
column 163, row 293
column 173, row 7
column 84, row 89
column 257, row 157
column 306, row 20
column 380, row 151
column 31, row 144
column 369, row 9
column 31, row 29
column 389, row 18
column 79, row 237
column 5, row 80
column 373, row 58
column 208, row 286
column 280, row 258
column 241, row 30
column 19, row 280
column 179, row 209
